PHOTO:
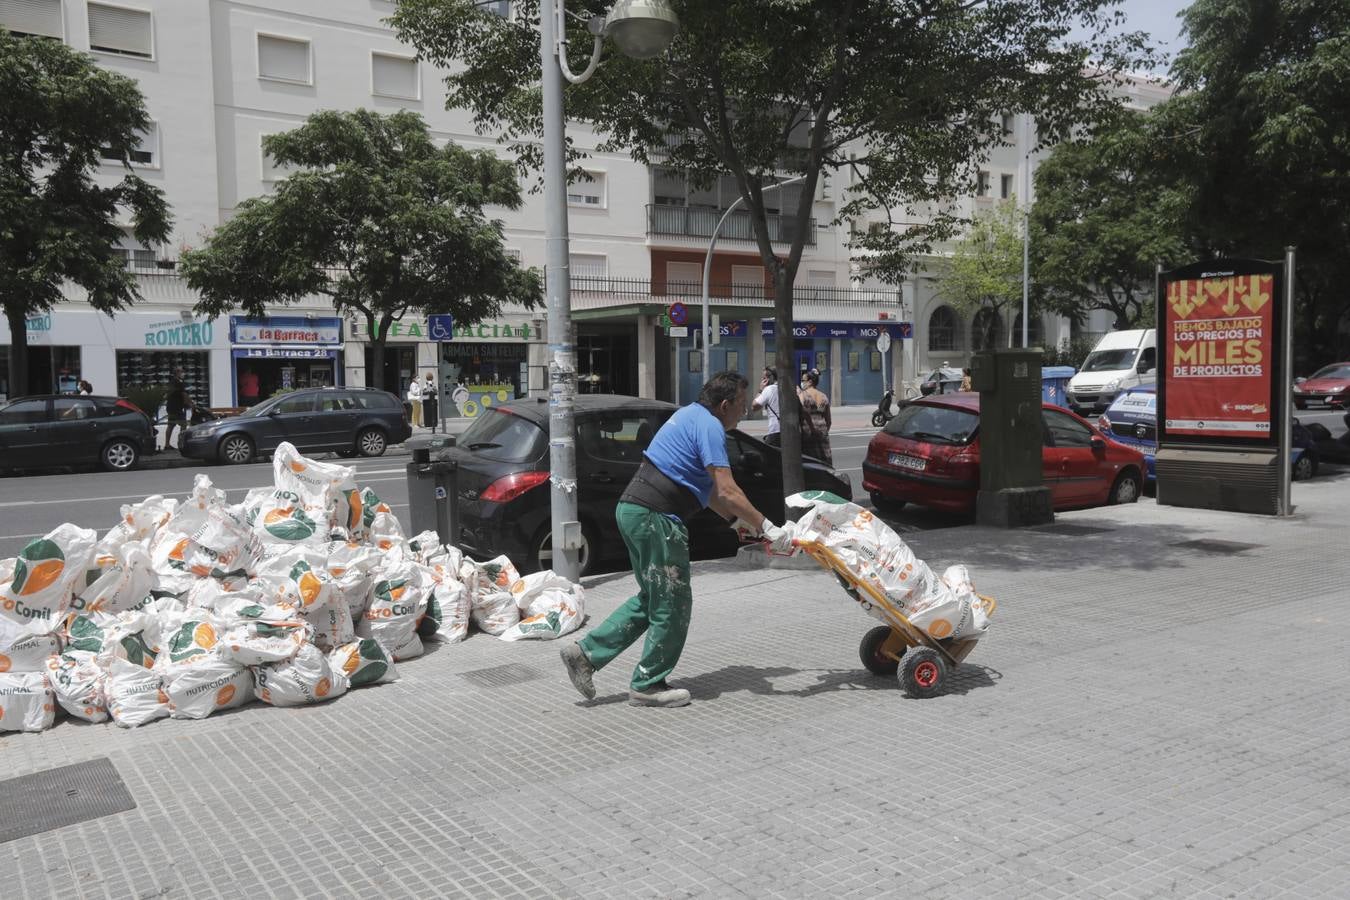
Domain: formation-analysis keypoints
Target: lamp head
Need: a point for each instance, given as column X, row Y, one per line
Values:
column 641, row 28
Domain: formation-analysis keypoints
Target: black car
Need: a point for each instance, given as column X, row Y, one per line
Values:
column 67, row 430
column 504, row 503
column 349, row 421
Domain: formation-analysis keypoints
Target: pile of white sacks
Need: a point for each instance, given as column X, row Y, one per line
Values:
column 945, row 606
column 294, row 596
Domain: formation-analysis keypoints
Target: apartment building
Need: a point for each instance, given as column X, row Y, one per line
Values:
column 220, row 75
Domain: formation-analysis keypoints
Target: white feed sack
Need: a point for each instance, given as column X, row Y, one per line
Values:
column 26, row 702
column 943, row 607
column 292, row 596
column 42, row 580
column 550, row 606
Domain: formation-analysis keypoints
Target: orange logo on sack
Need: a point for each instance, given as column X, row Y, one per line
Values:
column 940, row 628
column 296, row 467
column 225, row 695
column 321, row 689
column 4, row 663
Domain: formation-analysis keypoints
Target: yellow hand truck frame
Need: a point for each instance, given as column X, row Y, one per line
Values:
column 901, row 648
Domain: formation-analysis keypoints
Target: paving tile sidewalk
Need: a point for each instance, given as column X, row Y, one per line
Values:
column 1147, row 717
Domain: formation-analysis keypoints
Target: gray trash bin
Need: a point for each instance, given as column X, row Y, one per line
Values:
column 432, row 489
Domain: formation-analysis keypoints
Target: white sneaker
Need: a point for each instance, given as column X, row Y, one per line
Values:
column 659, row 695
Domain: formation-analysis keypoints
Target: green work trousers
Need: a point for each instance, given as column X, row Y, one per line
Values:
column 658, row 547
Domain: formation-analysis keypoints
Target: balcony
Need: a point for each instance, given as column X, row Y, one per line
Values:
column 603, row 292
column 698, row 222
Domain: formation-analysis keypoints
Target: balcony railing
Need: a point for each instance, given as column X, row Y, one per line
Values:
column 692, row 221
column 603, row 291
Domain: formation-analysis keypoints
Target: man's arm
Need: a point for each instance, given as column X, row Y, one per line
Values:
column 729, row 500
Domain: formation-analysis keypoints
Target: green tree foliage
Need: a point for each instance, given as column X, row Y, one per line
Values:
column 60, row 116
column 907, row 95
column 1263, row 133
column 1108, row 208
column 376, row 217
column 983, row 278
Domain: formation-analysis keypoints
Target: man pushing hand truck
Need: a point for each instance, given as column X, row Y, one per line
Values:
column 684, row 470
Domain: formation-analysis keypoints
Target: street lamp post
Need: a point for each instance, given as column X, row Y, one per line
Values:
column 707, row 268
column 642, row 29
column 1026, row 230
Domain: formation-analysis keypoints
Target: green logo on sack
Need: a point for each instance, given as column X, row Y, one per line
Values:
column 289, row 523
column 390, row 591
column 85, row 635
column 366, row 663
column 39, row 565
column 137, row 651
column 191, row 639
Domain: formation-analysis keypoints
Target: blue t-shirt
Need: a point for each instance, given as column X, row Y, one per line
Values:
column 689, row 442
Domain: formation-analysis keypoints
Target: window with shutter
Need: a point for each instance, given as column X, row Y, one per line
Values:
column 121, row 30
column 394, row 76
column 588, row 194
column 588, row 265
column 284, row 59
column 145, row 153
column 39, row 18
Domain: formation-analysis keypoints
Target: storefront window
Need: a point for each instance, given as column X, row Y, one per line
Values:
column 486, row 365
column 51, row 370
column 144, row 378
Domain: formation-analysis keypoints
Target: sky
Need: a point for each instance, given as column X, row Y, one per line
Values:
column 1158, row 18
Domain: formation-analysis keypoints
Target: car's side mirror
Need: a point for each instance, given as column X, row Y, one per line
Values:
column 1299, row 380
column 1098, row 443
column 274, row 411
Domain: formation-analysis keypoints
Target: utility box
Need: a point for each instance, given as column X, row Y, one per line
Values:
column 432, row 489
column 1012, row 438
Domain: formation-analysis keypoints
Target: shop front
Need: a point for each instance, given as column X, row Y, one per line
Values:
column 281, row 353
column 730, row 353
column 489, row 363
column 810, row 349
column 134, row 354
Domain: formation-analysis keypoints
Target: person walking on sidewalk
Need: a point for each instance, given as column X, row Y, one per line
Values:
column 767, row 399
column 684, row 470
column 429, row 403
column 816, row 419
column 415, row 402
column 177, row 402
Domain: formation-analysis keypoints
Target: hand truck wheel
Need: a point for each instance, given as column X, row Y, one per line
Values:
column 869, row 651
column 922, row 672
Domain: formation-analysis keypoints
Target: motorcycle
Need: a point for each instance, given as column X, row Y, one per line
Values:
column 883, row 413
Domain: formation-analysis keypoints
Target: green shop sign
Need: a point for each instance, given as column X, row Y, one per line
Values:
column 482, row 331
column 178, row 333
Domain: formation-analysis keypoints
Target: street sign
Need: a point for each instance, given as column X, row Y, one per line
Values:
column 441, row 328
column 679, row 331
column 884, row 341
column 679, row 315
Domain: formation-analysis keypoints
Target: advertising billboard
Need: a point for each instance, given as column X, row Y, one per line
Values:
column 1219, row 344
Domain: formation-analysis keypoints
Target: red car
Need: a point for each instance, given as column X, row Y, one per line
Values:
column 929, row 454
column 1329, row 385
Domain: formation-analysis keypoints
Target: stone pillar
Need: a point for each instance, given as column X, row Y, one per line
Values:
column 836, row 371
column 646, row 361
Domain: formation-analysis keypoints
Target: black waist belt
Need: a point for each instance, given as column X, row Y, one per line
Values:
column 656, row 491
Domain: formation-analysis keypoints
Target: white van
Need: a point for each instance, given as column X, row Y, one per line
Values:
column 1121, row 359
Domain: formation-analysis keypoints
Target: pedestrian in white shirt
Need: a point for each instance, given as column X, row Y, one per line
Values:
column 415, row 401
column 767, row 400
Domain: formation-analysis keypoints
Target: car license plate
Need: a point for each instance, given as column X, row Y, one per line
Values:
column 908, row 462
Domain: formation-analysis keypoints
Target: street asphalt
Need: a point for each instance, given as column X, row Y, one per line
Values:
column 1153, row 713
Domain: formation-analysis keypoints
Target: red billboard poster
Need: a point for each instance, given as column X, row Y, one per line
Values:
column 1218, row 347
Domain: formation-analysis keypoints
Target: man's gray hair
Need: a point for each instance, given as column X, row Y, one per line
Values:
column 721, row 387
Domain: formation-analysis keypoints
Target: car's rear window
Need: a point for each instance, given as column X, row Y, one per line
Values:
column 504, row 436
column 934, row 424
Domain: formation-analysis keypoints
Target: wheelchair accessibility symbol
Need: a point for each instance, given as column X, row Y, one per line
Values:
column 441, row 327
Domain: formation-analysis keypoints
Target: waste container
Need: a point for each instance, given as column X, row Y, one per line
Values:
column 432, row 489
column 1055, row 384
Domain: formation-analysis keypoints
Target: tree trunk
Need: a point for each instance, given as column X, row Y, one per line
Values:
column 18, row 350
column 789, row 409
column 378, row 333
